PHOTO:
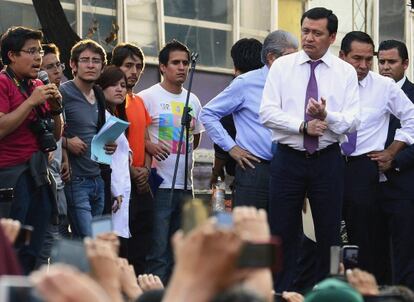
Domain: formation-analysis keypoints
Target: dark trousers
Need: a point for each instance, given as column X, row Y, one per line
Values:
column 362, row 216
column 397, row 243
column 320, row 177
column 252, row 186
column 141, row 213
column 32, row 206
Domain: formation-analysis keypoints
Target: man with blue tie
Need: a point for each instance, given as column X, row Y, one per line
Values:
column 310, row 101
column 396, row 198
column 364, row 152
column 252, row 149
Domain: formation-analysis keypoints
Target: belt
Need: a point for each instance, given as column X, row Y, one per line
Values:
column 306, row 154
column 354, row 158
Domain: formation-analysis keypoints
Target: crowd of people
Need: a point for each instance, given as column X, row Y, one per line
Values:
column 293, row 125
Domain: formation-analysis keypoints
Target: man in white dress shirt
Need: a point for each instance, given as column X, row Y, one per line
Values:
column 309, row 101
column 364, row 152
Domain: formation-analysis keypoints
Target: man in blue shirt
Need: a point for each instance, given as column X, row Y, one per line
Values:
column 252, row 149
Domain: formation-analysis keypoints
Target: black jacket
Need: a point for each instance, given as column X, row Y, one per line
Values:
column 400, row 184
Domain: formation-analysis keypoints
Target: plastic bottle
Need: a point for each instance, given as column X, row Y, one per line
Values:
column 219, row 191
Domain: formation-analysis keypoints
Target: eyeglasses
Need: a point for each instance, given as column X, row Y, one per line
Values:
column 56, row 65
column 34, row 51
column 94, row 61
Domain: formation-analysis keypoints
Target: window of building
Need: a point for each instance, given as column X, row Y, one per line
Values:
column 392, row 20
column 142, row 25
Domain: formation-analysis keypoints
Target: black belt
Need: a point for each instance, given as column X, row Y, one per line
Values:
column 354, row 158
column 306, row 154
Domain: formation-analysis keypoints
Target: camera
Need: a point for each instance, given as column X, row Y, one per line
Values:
column 43, row 129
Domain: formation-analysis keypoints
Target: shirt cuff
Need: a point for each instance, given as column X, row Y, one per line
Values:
column 403, row 137
column 294, row 125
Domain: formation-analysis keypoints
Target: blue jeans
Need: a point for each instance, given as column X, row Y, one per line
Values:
column 32, row 206
column 85, row 198
column 167, row 220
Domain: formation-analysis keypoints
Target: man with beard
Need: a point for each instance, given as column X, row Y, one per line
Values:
column 84, row 105
column 130, row 59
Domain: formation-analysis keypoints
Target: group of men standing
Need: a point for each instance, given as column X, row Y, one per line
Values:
column 342, row 137
column 309, row 124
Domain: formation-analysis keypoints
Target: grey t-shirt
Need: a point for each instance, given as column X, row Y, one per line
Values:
column 81, row 121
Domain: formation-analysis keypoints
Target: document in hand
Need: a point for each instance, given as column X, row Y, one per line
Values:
column 109, row 132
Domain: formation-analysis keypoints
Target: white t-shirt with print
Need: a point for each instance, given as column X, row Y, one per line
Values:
column 166, row 109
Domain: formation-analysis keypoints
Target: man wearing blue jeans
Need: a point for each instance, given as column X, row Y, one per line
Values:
column 165, row 102
column 85, row 113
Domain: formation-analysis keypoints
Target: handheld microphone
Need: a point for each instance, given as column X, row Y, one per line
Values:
column 42, row 75
column 194, row 56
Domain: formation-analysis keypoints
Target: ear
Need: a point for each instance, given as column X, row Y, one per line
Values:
column 332, row 38
column 163, row 68
column 73, row 66
column 342, row 54
column 270, row 58
column 12, row 56
column 405, row 64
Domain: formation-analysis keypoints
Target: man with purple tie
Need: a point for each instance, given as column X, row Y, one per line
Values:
column 365, row 155
column 310, row 101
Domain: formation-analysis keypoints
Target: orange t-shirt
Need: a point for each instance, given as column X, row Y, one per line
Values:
column 139, row 120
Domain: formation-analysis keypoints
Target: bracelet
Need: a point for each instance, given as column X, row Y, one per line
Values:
column 56, row 112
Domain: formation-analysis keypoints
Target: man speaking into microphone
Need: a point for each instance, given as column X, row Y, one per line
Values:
column 30, row 122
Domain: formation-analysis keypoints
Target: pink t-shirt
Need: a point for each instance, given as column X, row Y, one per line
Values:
column 18, row 146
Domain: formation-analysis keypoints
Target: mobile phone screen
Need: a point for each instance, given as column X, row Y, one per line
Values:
column 350, row 257
column 70, row 252
column 100, row 225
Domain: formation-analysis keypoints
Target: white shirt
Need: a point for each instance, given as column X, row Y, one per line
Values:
column 380, row 97
column 166, row 109
column 283, row 102
column 121, row 184
column 401, row 82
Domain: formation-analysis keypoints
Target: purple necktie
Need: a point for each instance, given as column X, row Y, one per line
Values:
column 349, row 147
column 310, row 143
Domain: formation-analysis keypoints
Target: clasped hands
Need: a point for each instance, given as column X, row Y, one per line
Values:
column 317, row 110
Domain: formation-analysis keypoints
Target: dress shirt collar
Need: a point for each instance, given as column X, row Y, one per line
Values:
column 401, row 82
column 304, row 58
column 364, row 81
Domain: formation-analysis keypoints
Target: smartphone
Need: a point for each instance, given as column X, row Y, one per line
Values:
column 335, row 260
column 350, row 256
column 194, row 213
column 262, row 255
column 101, row 224
column 70, row 252
column 224, row 220
column 24, row 237
column 16, row 289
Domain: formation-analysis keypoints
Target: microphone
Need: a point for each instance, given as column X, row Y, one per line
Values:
column 194, row 56
column 42, row 75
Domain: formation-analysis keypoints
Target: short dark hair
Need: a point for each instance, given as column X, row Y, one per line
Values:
column 126, row 50
column 317, row 13
column 83, row 45
column 358, row 36
column 173, row 45
column 14, row 38
column 246, row 54
column 390, row 44
column 51, row 48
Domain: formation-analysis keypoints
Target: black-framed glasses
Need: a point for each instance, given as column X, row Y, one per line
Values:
column 56, row 65
column 34, row 51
